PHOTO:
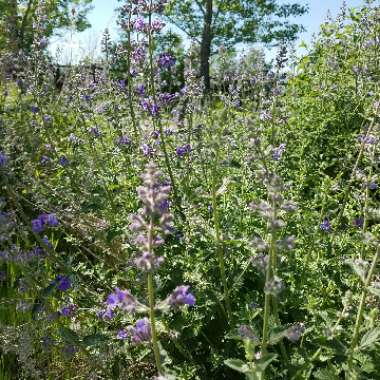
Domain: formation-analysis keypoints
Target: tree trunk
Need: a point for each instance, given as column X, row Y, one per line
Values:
column 206, row 46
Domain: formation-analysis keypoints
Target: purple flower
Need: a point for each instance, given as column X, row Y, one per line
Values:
column 166, row 98
column 95, row 131
column 325, row 225
column 37, row 225
column 147, row 150
column 139, row 24
column 122, row 299
column 166, row 60
column 48, row 219
column 124, row 140
column 260, row 261
column 63, row 283
column 139, row 55
column 278, row 152
column 295, row 332
column 150, row 107
column 122, row 334
column 122, row 83
column 68, row 310
column 34, row 109
column 140, row 89
column 51, row 220
column 369, row 139
column 155, row 134
column 358, row 222
column 141, row 332
column 47, row 242
column 246, row 332
column 63, row 161
column 45, row 160
column 181, row 296
column 265, row 116
column 3, row 159
column 43, row 43
column 157, row 25
column 183, row 150
column 106, row 313
column 73, row 139
column 147, row 261
column 372, row 185
column 47, row 119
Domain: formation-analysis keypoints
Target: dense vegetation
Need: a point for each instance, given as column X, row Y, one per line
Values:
column 154, row 231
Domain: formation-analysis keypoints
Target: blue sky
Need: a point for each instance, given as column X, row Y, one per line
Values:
column 104, row 16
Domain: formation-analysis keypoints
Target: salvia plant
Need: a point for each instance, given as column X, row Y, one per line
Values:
column 150, row 229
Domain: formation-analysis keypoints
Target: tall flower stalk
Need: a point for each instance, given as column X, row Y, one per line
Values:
column 157, row 119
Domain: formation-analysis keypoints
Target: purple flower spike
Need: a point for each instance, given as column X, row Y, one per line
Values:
column 69, row 310
column 166, row 61
column 147, row 150
column 139, row 24
column 63, row 283
column 181, row 296
column 124, row 140
column 325, row 225
column 63, row 161
column 140, row 89
column 181, row 151
column 278, row 152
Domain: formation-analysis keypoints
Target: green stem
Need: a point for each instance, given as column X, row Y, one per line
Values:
column 219, row 248
column 152, row 305
column 363, row 297
column 130, row 93
column 157, row 120
column 152, row 317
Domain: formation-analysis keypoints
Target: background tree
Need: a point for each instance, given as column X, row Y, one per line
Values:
column 229, row 22
column 19, row 20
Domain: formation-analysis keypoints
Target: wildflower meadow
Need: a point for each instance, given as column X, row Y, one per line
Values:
column 182, row 207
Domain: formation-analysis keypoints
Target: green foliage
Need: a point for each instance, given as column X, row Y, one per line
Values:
column 238, row 21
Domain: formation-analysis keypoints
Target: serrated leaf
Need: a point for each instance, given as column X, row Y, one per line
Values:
column 325, row 374
column 369, row 338
column 237, row 365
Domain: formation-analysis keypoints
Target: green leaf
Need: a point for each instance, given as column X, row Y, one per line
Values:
column 359, row 269
column 369, row 338
column 69, row 336
column 374, row 291
column 277, row 334
column 94, row 340
column 237, row 365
